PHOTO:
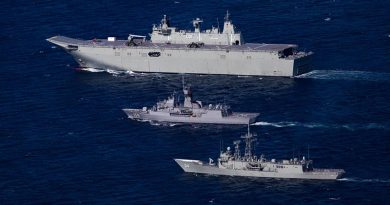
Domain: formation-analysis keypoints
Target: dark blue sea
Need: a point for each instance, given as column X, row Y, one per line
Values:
column 65, row 140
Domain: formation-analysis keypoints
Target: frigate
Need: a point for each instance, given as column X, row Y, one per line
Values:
column 171, row 50
column 190, row 111
column 249, row 165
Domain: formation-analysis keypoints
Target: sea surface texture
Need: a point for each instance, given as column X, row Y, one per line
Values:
column 65, row 140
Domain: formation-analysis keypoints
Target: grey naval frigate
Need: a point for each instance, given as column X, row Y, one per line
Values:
column 171, row 50
column 171, row 110
column 249, row 165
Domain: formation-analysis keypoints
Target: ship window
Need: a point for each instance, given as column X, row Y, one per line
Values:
column 249, row 57
column 129, row 54
column 223, row 56
column 117, row 53
column 169, row 54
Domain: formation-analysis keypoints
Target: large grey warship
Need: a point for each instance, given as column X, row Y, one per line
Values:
column 171, row 50
column 249, row 165
column 170, row 110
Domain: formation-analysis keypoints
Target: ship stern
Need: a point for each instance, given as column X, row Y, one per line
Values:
column 340, row 173
column 302, row 63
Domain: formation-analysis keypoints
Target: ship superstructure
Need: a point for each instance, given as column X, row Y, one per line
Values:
column 164, row 33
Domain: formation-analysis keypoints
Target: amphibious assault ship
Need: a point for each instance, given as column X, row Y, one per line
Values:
column 170, row 110
column 171, row 50
column 249, row 165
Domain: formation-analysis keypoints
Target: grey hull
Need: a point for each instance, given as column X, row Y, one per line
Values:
column 235, row 118
column 246, row 60
column 196, row 166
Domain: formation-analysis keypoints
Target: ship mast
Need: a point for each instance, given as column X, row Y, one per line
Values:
column 237, row 154
column 248, row 144
column 182, row 81
column 187, row 95
column 227, row 15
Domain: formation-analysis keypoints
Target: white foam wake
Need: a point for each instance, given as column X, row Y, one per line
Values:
column 365, row 180
column 110, row 71
column 290, row 124
column 351, row 127
column 162, row 124
column 346, row 75
column 120, row 72
column 92, row 70
column 155, row 123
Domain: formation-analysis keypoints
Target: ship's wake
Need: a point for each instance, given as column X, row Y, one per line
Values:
column 365, row 180
column 346, row 75
column 351, row 127
column 315, row 74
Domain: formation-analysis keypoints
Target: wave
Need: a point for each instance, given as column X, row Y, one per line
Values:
column 165, row 124
column 351, row 127
column 315, row 74
column 291, row 124
column 365, row 180
column 155, row 123
column 120, row 72
column 346, row 75
column 92, row 70
column 110, row 71
column 277, row 124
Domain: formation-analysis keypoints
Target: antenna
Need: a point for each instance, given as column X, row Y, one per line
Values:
column 220, row 145
column 227, row 15
column 218, row 24
column 293, row 154
column 237, row 153
column 182, row 81
column 308, row 152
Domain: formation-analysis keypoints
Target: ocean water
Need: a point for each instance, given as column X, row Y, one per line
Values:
column 65, row 140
